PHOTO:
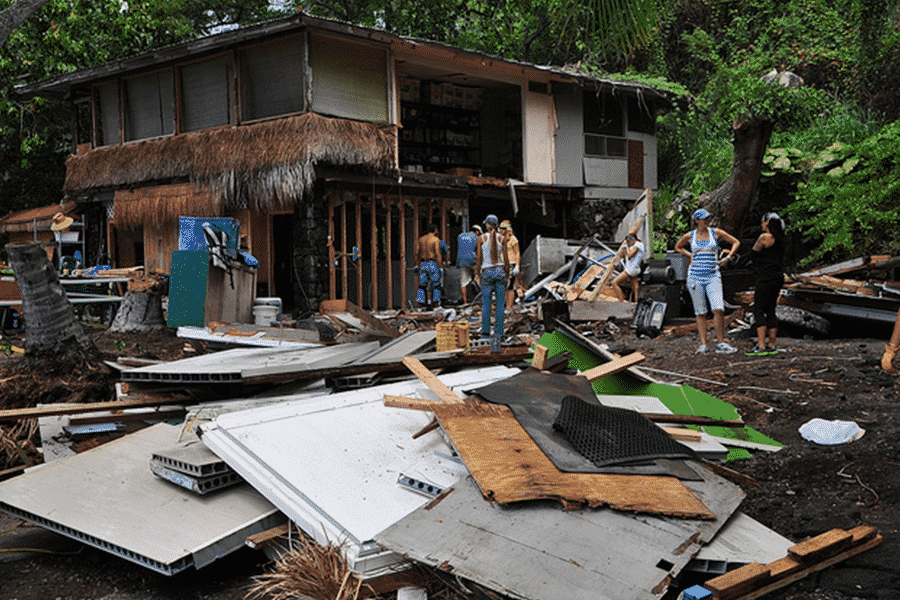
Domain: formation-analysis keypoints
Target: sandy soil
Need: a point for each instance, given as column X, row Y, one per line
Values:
column 802, row 491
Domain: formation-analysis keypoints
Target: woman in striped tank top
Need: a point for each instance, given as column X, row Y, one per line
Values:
column 704, row 280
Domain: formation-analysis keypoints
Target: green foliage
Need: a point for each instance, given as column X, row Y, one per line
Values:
column 851, row 201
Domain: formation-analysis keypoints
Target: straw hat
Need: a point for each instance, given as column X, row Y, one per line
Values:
column 60, row 222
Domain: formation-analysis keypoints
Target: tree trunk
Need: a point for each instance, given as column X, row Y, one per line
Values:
column 51, row 329
column 16, row 14
column 728, row 204
column 139, row 311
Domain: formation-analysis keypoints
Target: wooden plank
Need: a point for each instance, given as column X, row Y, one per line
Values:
column 798, row 575
column 409, row 403
column 682, row 434
column 614, row 366
column 358, row 237
column 389, row 252
column 510, row 467
column 737, row 582
column 597, row 349
column 430, row 379
column 402, row 215
column 374, row 326
column 581, row 284
column 345, row 277
column 693, row 420
column 257, row 540
column 540, row 357
column 821, row 546
column 332, row 268
column 848, row 266
column 373, row 244
column 14, row 414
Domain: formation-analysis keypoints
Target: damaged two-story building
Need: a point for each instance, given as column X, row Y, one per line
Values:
column 335, row 145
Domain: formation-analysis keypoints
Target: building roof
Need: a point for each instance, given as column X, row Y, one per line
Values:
column 61, row 86
column 34, row 218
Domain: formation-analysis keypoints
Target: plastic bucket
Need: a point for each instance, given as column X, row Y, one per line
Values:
column 276, row 302
column 264, row 314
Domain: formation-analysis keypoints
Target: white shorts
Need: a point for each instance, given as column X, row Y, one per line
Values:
column 710, row 289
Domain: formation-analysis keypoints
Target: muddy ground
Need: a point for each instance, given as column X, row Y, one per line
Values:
column 801, row 491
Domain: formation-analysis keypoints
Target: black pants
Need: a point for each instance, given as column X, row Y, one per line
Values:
column 764, row 300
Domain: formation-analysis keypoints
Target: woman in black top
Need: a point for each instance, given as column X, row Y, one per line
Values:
column 768, row 266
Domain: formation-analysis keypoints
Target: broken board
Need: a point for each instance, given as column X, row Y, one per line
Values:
column 510, row 467
column 537, row 551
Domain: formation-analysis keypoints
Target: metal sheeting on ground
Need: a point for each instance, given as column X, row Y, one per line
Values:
column 108, row 498
column 332, row 464
column 741, row 541
column 537, row 551
column 234, row 366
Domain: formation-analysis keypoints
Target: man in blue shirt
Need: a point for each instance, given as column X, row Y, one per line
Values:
column 465, row 259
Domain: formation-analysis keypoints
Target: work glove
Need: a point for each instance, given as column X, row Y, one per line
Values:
column 514, row 271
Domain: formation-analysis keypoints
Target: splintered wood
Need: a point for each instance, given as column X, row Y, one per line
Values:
column 754, row 580
column 509, row 467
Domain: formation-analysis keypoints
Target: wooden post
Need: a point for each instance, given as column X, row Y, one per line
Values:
column 358, row 238
column 332, row 268
column 388, row 250
column 344, row 278
column 402, row 252
column 415, row 236
column 373, row 225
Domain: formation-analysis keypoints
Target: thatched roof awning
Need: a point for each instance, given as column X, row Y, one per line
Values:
column 268, row 164
column 35, row 218
column 163, row 204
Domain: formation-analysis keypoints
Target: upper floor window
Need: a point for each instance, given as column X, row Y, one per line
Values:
column 206, row 96
column 106, row 113
column 641, row 116
column 271, row 79
column 149, row 103
column 349, row 79
column 604, row 126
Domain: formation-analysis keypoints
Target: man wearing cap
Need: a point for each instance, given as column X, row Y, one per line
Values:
column 430, row 268
column 634, row 254
column 465, row 259
column 704, row 280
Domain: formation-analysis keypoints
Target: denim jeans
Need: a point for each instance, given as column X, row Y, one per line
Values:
column 493, row 291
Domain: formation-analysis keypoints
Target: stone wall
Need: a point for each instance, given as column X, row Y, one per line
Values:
column 310, row 252
column 600, row 216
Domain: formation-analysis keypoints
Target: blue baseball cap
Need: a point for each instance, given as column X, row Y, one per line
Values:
column 491, row 220
column 701, row 213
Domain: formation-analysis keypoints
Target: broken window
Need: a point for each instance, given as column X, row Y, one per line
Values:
column 604, row 126
column 149, row 106
column 272, row 79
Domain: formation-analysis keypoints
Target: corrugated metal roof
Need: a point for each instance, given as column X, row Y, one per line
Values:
column 26, row 220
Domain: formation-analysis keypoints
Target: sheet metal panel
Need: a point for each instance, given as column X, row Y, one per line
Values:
column 233, row 366
column 538, row 551
column 107, row 497
column 332, row 464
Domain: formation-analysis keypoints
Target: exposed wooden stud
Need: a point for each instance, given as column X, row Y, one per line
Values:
column 614, row 366
column 388, row 250
column 540, row 357
column 344, row 275
column 358, row 239
column 402, row 251
column 332, row 268
column 373, row 237
column 430, row 379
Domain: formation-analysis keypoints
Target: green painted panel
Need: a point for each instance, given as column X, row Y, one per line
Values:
column 187, row 288
column 681, row 400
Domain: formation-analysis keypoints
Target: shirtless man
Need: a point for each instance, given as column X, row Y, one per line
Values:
column 430, row 266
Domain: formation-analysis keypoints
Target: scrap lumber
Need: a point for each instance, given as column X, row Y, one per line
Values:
column 581, row 284
column 431, row 380
column 142, row 401
column 539, row 361
column 682, row 434
column 347, row 313
column 510, row 467
column 834, row 283
column 854, row 264
column 692, row 327
column 258, row 540
column 815, row 554
column 614, row 366
column 409, row 403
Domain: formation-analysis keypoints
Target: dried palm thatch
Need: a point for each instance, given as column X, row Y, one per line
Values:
column 310, row 571
column 163, row 204
column 268, row 164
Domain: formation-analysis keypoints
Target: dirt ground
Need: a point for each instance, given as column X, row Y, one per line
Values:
column 801, row 491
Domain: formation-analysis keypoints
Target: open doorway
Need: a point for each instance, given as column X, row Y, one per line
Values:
column 282, row 252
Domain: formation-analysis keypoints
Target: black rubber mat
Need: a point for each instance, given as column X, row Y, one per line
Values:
column 612, row 436
column 535, row 398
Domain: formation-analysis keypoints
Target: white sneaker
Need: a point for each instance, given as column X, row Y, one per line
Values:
column 725, row 348
column 701, row 349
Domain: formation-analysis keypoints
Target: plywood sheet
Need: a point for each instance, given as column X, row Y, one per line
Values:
column 510, row 467
column 537, row 551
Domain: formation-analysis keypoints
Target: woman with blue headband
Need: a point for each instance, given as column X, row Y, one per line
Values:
column 704, row 280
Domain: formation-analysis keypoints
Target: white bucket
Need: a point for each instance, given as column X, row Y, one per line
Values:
column 275, row 301
column 263, row 314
